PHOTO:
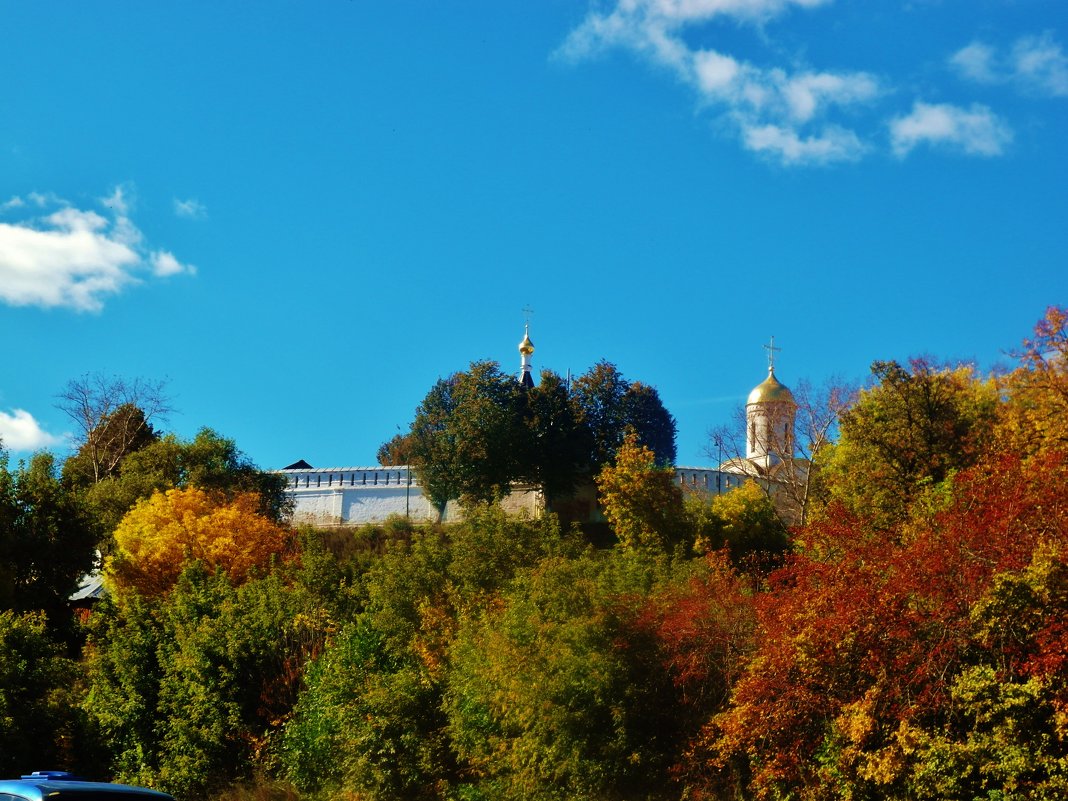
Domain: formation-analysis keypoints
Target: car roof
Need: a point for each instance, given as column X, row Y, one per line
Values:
column 54, row 785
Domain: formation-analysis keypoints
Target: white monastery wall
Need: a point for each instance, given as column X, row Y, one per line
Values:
column 352, row 496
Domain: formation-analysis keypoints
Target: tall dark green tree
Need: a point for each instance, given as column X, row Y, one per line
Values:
column 466, row 438
column 655, row 426
column 557, row 444
column 608, row 406
column 598, row 397
column 47, row 539
column 34, row 714
column 479, row 431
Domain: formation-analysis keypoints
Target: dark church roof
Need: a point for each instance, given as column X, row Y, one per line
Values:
column 301, row 465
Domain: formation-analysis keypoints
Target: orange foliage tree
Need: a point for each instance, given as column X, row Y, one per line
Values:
column 162, row 533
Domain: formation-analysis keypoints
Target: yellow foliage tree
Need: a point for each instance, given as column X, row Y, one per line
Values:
column 162, row 533
column 641, row 501
column 744, row 519
column 1034, row 418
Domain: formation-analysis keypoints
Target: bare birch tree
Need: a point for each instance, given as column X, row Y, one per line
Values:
column 112, row 417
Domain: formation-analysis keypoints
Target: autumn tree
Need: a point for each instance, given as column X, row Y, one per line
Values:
column 396, row 451
column 927, row 665
column 1034, row 417
column 640, row 500
column 912, row 429
column 162, row 533
column 209, row 462
column 704, row 629
column 743, row 520
column 113, row 417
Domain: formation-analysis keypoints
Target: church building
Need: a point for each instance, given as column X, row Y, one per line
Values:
column 351, row 496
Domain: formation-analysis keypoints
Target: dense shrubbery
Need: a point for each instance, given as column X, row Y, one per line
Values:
column 909, row 642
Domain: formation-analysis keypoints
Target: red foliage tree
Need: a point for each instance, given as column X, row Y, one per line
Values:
column 861, row 637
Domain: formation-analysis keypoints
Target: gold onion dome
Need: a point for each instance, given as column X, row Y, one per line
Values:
column 771, row 391
column 526, row 347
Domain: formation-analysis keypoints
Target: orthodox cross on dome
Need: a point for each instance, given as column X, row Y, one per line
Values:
column 526, row 349
column 771, row 354
column 527, row 314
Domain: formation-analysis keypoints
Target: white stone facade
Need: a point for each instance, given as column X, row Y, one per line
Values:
column 708, row 480
column 352, row 496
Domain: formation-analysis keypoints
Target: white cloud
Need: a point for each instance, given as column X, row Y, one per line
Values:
column 74, row 258
column 975, row 131
column 648, row 24
column 19, row 431
column 806, row 94
column 976, row 62
column 1039, row 63
column 792, row 112
column 164, row 264
column 830, row 145
column 1035, row 64
column 776, row 112
column 191, row 209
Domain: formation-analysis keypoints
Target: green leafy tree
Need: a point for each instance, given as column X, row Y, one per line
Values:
column 434, row 450
column 554, row 695
column 557, row 445
column 46, row 539
column 598, row 395
column 645, row 414
column 369, row 721
column 608, row 406
column 189, row 691
column 368, row 724
column 123, row 669
column 467, row 436
column 34, row 709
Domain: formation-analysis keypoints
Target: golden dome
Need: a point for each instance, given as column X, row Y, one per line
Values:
column 526, row 347
column 771, row 391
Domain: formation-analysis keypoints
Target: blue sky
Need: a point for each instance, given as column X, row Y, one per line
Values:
column 303, row 214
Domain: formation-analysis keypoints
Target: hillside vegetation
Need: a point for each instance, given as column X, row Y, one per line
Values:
column 909, row 641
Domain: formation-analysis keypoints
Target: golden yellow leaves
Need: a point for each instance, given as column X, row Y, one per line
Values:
column 162, row 533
